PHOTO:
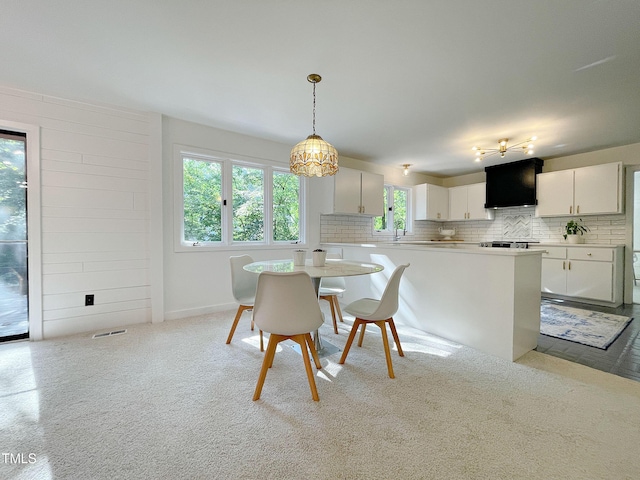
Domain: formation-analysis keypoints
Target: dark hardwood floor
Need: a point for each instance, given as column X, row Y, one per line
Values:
column 621, row 358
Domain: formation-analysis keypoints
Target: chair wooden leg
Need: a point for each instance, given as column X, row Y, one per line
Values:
column 356, row 323
column 314, row 352
column 396, row 339
column 332, row 303
column 335, row 298
column 261, row 342
column 266, row 363
column 241, row 309
column 361, row 338
column 330, row 299
column 302, row 341
column 385, row 342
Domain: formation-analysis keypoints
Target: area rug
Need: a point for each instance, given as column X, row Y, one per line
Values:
column 595, row 329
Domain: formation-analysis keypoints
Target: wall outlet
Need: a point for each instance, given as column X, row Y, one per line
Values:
column 89, row 300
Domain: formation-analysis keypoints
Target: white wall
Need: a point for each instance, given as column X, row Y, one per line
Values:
column 198, row 281
column 95, row 164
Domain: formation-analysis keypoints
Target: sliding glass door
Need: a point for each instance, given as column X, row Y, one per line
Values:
column 14, row 282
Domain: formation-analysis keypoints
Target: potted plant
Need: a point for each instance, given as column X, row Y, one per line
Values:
column 573, row 231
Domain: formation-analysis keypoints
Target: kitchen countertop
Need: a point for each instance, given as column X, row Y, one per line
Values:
column 444, row 247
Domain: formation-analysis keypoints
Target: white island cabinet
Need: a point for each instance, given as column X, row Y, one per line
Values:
column 485, row 298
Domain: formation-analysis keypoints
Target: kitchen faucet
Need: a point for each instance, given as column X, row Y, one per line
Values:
column 396, row 237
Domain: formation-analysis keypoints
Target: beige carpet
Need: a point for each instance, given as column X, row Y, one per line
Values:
column 172, row 401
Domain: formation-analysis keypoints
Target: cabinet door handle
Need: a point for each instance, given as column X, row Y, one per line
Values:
column 563, row 265
column 438, row 215
column 362, row 208
column 570, row 209
column 588, row 254
column 569, row 265
column 577, row 209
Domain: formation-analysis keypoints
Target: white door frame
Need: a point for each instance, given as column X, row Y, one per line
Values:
column 34, row 229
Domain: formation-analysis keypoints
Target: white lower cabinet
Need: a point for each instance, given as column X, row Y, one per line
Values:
column 587, row 272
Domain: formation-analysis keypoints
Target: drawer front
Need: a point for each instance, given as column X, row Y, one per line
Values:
column 554, row 252
column 596, row 254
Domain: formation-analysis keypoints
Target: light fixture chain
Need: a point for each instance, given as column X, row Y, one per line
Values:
column 314, row 108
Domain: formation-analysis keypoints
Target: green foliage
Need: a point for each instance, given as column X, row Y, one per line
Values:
column 13, row 195
column 202, row 187
column 286, row 207
column 203, row 203
column 248, row 204
column 575, row 227
column 13, row 214
column 399, row 213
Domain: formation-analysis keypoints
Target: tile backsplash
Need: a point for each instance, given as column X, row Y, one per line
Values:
column 518, row 223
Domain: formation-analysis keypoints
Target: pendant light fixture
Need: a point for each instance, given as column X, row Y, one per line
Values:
column 313, row 157
column 405, row 169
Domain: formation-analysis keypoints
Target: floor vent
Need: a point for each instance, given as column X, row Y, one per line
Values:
column 109, row 334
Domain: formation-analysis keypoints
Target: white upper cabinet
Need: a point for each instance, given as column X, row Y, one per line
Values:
column 357, row 192
column 431, row 202
column 581, row 191
column 467, row 203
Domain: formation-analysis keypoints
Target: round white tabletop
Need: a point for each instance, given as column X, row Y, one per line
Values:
column 332, row 267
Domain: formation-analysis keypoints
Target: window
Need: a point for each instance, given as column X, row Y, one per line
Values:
column 396, row 211
column 222, row 202
column 202, row 194
column 248, row 204
column 286, row 207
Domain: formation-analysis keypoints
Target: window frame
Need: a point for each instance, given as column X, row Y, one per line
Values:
column 228, row 162
column 389, row 190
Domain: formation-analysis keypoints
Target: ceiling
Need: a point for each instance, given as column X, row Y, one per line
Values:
column 408, row 81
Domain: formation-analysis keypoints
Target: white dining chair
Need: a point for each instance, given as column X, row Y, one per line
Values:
column 243, row 287
column 287, row 307
column 330, row 288
column 380, row 312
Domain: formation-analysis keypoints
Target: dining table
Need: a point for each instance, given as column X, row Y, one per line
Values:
column 333, row 267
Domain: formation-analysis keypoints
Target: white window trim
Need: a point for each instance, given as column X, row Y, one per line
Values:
column 409, row 230
column 179, row 151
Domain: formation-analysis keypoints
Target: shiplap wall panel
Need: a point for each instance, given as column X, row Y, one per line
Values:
column 66, row 224
column 86, row 212
column 97, row 309
column 94, row 205
column 90, row 281
column 114, row 295
column 91, row 169
column 57, row 242
column 79, row 197
column 92, row 145
column 96, row 322
column 44, row 107
column 102, row 256
column 93, row 182
column 125, row 165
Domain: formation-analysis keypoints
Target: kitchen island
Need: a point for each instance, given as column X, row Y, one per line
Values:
column 485, row 298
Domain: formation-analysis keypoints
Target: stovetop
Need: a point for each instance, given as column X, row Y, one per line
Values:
column 507, row 244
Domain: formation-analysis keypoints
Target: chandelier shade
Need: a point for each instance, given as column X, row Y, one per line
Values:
column 313, row 157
